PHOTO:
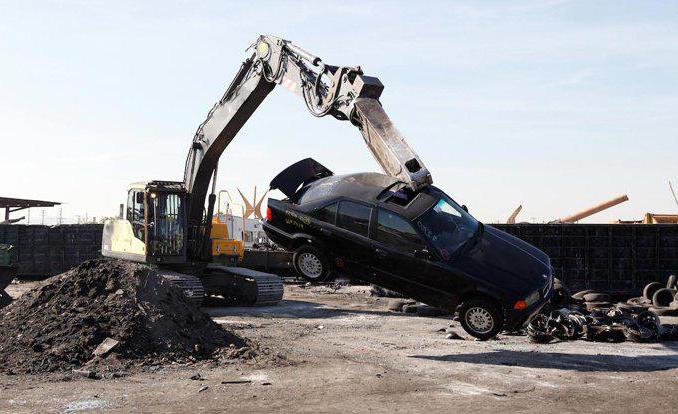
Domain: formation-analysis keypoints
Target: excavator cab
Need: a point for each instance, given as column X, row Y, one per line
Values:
column 154, row 230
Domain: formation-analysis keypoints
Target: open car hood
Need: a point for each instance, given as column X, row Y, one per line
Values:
column 298, row 175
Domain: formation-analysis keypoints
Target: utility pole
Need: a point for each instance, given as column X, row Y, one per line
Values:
column 60, row 215
column 29, row 215
column 42, row 213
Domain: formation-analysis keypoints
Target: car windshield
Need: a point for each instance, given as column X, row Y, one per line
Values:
column 447, row 226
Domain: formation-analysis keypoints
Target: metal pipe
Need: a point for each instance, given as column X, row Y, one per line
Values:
column 593, row 210
column 512, row 217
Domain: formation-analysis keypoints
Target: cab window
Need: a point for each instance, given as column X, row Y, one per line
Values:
column 136, row 214
column 397, row 233
column 328, row 214
column 166, row 212
column 354, row 217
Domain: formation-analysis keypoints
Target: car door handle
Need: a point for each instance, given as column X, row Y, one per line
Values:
column 381, row 253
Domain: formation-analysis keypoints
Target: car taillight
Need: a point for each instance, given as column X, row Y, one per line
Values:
column 520, row 305
column 268, row 214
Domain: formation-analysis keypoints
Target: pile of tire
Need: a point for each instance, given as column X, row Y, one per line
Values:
column 658, row 298
column 599, row 325
column 592, row 316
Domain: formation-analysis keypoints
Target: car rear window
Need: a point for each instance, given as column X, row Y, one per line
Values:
column 397, row 233
column 354, row 217
column 327, row 214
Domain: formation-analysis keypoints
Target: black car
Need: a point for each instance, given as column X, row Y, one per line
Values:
column 421, row 244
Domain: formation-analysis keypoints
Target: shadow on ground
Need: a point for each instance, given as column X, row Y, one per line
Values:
column 573, row 362
column 292, row 309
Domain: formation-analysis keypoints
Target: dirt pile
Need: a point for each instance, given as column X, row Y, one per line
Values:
column 59, row 325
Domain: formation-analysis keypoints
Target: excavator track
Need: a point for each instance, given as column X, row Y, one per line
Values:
column 242, row 286
column 269, row 289
column 191, row 286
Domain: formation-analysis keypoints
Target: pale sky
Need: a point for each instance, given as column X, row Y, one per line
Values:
column 556, row 105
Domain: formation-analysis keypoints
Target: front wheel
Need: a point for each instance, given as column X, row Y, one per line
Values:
column 481, row 318
column 311, row 264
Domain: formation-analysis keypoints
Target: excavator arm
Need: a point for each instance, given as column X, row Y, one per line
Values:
column 343, row 92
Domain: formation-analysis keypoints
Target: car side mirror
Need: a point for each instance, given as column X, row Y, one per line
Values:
column 423, row 254
column 463, row 207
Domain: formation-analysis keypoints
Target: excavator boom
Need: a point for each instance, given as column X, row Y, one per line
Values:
column 341, row 91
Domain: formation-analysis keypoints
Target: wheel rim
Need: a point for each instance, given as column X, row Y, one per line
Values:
column 480, row 320
column 310, row 265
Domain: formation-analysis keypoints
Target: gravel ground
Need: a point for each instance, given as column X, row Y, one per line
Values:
column 347, row 353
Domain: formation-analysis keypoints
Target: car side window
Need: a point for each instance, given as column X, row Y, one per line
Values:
column 327, row 214
column 354, row 217
column 397, row 233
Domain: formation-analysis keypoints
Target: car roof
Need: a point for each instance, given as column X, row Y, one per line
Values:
column 369, row 187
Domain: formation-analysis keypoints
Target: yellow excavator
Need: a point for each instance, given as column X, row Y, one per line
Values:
column 170, row 225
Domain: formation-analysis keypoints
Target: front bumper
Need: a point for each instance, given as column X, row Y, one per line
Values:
column 517, row 319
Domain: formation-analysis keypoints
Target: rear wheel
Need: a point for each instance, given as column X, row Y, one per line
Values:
column 481, row 318
column 311, row 264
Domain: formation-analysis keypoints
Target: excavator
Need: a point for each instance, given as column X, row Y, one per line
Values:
column 169, row 224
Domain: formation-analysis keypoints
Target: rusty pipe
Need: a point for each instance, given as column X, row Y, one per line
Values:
column 595, row 209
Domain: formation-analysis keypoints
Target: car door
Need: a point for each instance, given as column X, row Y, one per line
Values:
column 400, row 261
column 351, row 239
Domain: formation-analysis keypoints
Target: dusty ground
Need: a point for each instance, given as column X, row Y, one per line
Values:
column 348, row 353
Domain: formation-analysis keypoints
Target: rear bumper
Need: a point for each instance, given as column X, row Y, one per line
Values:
column 276, row 235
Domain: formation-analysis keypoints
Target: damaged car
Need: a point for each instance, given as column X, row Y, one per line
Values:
column 422, row 244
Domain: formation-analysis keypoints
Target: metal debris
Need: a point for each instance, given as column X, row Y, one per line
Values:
column 105, row 347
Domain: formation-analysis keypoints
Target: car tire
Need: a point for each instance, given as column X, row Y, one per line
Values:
column 597, row 297
column 311, row 264
column 580, row 295
column 664, row 311
column 663, row 297
column 639, row 301
column 650, row 288
column 481, row 318
column 631, row 308
column 591, row 306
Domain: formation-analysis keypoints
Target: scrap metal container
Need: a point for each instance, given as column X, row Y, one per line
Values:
column 43, row 251
column 615, row 258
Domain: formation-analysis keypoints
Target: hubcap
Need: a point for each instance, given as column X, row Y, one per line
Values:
column 310, row 265
column 480, row 320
